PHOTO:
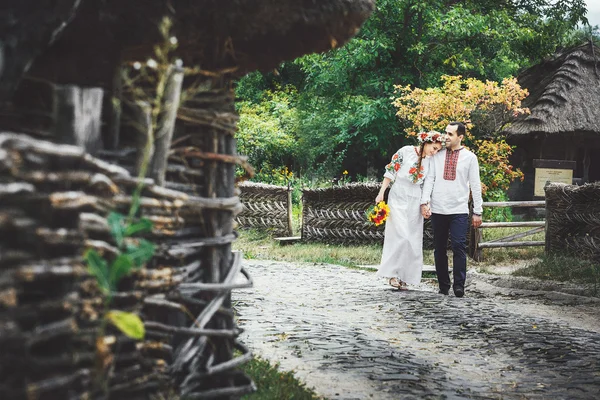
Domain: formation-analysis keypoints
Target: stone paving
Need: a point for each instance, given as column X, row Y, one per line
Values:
column 349, row 336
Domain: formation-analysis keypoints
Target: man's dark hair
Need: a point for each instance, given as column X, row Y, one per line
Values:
column 461, row 130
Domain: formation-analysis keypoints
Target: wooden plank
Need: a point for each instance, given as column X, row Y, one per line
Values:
column 512, row 224
column 488, row 245
column 426, row 268
column 514, row 203
column 288, row 240
column 519, row 235
column 78, row 116
column 431, row 268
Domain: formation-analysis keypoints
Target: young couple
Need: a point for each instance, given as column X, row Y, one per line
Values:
column 430, row 181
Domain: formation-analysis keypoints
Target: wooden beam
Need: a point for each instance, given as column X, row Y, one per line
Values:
column 541, row 203
column 488, row 245
column 519, row 235
column 512, row 224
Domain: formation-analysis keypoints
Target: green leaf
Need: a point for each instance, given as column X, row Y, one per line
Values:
column 143, row 225
column 120, row 268
column 117, row 228
column 98, row 268
column 141, row 253
column 130, row 324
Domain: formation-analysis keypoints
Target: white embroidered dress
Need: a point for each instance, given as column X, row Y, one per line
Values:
column 402, row 255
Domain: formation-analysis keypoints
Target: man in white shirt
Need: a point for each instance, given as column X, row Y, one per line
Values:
column 445, row 198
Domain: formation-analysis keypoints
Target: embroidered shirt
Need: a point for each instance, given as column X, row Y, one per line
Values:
column 452, row 196
column 404, row 165
column 451, row 163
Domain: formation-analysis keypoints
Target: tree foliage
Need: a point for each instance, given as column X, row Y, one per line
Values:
column 463, row 100
column 344, row 119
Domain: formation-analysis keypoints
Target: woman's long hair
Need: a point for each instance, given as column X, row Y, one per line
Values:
column 421, row 156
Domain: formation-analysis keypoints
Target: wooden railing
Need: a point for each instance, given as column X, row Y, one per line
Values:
column 477, row 244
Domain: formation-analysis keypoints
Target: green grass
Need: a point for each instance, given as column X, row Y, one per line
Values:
column 274, row 384
column 564, row 268
column 506, row 255
column 257, row 244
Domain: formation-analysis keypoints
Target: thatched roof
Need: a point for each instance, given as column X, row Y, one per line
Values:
column 244, row 35
column 564, row 95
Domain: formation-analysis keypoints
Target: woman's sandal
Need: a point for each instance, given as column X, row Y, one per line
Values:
column 398, row 284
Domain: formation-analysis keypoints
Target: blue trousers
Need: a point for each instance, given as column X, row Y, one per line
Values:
column 456, row 226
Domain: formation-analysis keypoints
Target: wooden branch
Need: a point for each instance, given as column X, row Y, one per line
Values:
column 191, row 332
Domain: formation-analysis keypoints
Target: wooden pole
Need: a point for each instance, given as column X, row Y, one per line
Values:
column 142, row 122
column 78, row 113
column 511, row 244
column 289, row 211
column 540, row 203
column 166, row 125
column 512, row 224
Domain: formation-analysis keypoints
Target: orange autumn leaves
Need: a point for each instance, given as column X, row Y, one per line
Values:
column 461, row 99
column 456, row 100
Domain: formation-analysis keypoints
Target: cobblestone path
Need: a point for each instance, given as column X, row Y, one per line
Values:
column 349, row 336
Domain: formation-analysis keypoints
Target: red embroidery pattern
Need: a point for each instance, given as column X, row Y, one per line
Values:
column 416, row 177
column 450, row 164
column 396, row 163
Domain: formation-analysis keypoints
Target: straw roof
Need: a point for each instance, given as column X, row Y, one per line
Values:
column 564, row 95
column 236, row 35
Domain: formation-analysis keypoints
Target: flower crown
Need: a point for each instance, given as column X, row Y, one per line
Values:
column 431, row 137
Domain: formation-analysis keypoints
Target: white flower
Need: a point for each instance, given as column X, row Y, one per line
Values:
column 151, row 63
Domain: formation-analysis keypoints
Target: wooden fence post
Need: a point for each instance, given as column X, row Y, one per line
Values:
column 476, row 237
column 142, row 122
column 78, row 113
column 166, row 125
column 289, row 211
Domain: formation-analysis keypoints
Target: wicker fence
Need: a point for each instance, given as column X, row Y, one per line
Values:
column 337, row 215
column 266, row 207
column 573, row 220
column 54, row 200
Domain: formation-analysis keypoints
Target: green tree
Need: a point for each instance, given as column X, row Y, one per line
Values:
column 266, row 131
column 345, row 117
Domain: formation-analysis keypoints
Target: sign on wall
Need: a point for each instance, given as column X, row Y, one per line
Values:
column 555, row 171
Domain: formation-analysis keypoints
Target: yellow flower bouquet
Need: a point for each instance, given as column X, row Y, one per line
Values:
column 377, row 214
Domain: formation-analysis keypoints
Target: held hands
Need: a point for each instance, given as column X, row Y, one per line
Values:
column 425, row 211
column 476, row 221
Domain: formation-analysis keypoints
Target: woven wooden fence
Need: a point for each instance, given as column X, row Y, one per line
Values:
column 54, row 200
column 266, row 207
column 337, row 215
column 573, row 220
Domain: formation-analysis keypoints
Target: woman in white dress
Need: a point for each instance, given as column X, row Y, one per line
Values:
column 402, row 257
